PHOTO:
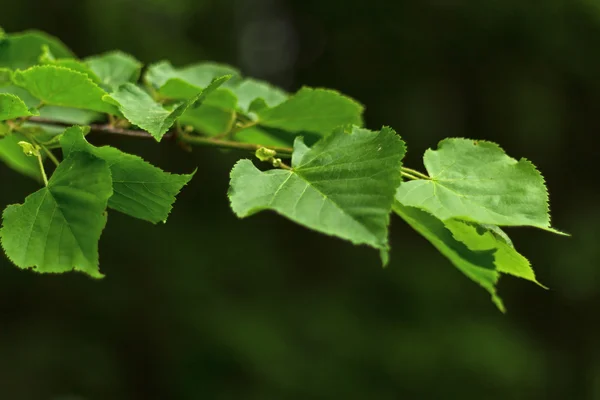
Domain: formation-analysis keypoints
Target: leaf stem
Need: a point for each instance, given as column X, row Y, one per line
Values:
column 51, row 156
column 228, row 144
column 414, row 172
column 42, row 170
column 409, row 176
column 41, row 145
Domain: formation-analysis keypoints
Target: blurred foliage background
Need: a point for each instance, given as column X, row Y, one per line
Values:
column 208, row 306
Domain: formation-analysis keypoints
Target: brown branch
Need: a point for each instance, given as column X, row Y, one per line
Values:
column 183, row 137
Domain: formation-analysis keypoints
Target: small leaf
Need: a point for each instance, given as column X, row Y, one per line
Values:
column 29, row 149
column 12, row 155
column 478, row 265
column 63, row 87
column 115, row 68
column 22, row 50
column 141, row 110
column 5, row 77
column 477, row 181
column 141, row 190
column 12, row 107
column 318, row 111
column 343, row 186
column 268, row 137
column 489, row 237
column 187, row 82
column 47, row 58
column 208, row 119
column 58, row 227
column 250, row 90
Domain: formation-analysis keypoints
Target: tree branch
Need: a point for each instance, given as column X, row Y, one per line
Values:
column 200, row 141
column 183, row 137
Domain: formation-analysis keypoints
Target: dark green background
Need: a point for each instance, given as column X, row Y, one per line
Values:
column 212, row 307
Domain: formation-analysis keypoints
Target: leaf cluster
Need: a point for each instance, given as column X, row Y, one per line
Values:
column 343, row 180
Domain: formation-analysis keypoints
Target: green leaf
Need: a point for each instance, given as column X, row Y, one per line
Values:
column 343, row 186
column 187, row 82
column 267, row 137
column 318, row 111
column 477, row 181
column 12, row 155
column 489, row 237
column 5, row 77
column 478, row 265
column 58, row 227
column 22, row 50
column 115, row 68
column 69, row 115
column 63, row 87
column 141, row 110
column 141, row 190
column 208, row 119
column 47, row 58
column 61, row 114
column 250, row 90
column 12, row 107
column 24, row 95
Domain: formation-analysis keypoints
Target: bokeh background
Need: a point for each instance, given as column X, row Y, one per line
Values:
column 212, row 307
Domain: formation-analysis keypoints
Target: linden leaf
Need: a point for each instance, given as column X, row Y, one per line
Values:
column 477, row 264
column 22, row 50
column 141, row 109
column 58, row 227
column 319, row 111
column 47, row 58
column 139, row 188
column 115, row 68
column 64, row 87
column 344, row 185
column 477, row 181
column 12, row 107
column 187, row 82
column 250, row 90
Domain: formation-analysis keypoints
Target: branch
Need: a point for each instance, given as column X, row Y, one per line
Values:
column 183, row 137
column 200, row 141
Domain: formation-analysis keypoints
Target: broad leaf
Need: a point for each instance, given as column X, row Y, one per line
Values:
column 141, row 110
column 476, row 264
column 343, row 186
column 477, row 181
column 187, row 82
column 312, row 110
column 12, row 155
column 22, row 50
column 140, row 189
column 12, row 107
column 58, row 227
column 115, row 68
column 63, row 87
